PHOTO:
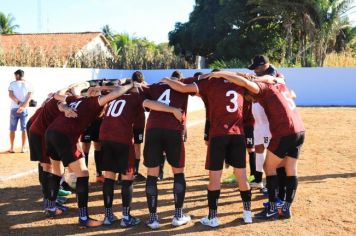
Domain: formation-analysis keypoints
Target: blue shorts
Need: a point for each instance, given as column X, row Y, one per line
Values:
column 15, row 117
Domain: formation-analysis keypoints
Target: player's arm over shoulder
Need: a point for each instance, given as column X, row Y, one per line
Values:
column 236, row 79
column 179, row 86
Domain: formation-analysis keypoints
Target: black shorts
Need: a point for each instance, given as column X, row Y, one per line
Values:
column 118, row 157
column 91, row 133
column 228, row 148
column 138, row 135
column 250, row 141
column 287, row 145
column 37, row 148
column 206, row 130
column 61, row 148
column 169, row 141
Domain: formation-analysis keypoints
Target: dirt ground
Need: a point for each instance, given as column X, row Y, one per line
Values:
column 324, row 205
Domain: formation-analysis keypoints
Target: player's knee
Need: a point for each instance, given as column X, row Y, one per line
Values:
column 259, row 148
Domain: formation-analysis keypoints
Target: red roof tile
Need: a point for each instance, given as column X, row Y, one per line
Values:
column 62, row 44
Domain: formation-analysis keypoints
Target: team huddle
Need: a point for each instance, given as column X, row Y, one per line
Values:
column 244, row 113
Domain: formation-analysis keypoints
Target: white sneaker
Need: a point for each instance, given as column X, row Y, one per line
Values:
column 247, row 217
column 256, row 185
column 153, row 225
column 181, row 221
column 210, row 222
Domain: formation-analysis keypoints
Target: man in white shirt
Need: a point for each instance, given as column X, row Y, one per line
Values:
column 20, row 92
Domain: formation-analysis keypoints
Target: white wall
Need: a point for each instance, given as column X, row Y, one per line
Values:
column 313, row 86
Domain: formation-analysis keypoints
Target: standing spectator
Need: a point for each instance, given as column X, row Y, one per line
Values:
column 20, row 92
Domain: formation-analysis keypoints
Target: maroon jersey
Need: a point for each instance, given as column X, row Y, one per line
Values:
column 247, row 114
column 283, row 117
column 140, row 120
column 35, row 115
column 119, row 117
column 163, row 93
column 225, row 102
column 87, row 108
column 49, row 113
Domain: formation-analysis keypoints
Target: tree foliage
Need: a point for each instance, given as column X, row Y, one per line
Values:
column 289, row 32
column 7, row 25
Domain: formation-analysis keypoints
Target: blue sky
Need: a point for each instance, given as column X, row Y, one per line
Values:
column 152, row 19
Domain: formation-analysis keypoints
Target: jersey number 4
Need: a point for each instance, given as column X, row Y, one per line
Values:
column 115, row 108
column 234, row 106
column 165, row 97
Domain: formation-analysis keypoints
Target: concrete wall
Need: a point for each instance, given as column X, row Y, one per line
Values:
column 313, row 86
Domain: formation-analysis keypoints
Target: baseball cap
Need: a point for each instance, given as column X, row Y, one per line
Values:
column 258, row 61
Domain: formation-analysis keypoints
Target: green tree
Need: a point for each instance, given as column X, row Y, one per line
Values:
column 7, row 25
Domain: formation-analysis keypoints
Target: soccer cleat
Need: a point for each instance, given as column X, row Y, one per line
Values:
column 256, row 185
column 181, row 221
column 285, row 213
column 153, row 224
column 247, row 217
column 214, row 222
column 139, row 178
column 89, row 223
column 231, row 179
column 279, row 203
column 100, row 179
column 132, row 221
column 109, row 220
column 267, row 214
column 61, row 207
column 63, row 193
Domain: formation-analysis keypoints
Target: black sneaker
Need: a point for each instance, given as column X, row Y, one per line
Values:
column 267, row 214
column 139, row 178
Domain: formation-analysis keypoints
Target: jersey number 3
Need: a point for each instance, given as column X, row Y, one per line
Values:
column 115, row 108
column 234, row 106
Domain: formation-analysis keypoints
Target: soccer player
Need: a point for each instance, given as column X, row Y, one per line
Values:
column 138, row 130
column 261, row 66
column 226, row 140
column 164, row 133
column 118, row 150
column 287, row 131
column 48, row 112
column 61, row 141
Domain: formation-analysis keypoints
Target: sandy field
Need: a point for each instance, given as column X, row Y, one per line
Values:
column 324, row 205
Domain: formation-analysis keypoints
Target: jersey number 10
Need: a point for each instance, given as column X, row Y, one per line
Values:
column 115, row 108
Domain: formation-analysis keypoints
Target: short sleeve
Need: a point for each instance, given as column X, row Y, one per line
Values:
column 146, row 93
column 11, row 87
column 202, row 86
column 263, row 88
column 189, row 80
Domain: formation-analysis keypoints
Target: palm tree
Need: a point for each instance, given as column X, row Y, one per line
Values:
column 6, row 24
column 107, row 32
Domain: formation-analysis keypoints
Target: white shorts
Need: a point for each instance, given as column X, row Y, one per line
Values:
column 262, row 135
